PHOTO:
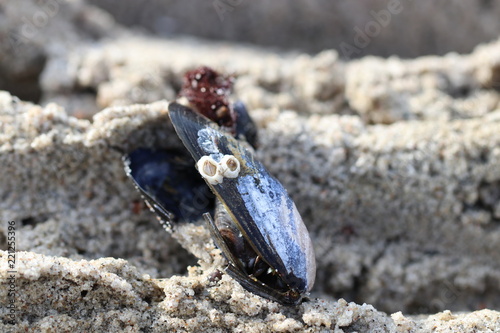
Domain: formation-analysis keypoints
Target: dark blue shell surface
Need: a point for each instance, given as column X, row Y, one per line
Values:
column 245, row 127
column 169, row 183
column 258, row 204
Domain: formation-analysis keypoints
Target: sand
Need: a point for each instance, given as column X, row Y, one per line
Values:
column 394, row 165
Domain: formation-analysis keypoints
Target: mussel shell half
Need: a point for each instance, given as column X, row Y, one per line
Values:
column 169, row 184
column 258, row 203
column 245, row 127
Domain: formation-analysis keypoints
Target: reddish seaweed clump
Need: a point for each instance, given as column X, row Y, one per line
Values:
column 208, row 91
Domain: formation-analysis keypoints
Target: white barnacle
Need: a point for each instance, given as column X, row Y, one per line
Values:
column 209, row 170
column 230, row 166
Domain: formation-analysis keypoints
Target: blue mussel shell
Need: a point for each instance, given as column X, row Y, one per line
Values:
column 256, row 224
column 258, row 204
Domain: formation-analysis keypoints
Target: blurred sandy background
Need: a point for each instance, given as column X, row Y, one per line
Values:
column 414, row 28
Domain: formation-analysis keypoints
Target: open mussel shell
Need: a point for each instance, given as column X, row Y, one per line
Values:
column 169, row 184
column 258, row 204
